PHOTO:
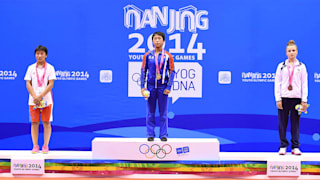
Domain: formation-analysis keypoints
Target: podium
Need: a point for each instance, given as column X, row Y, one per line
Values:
column 175, row 149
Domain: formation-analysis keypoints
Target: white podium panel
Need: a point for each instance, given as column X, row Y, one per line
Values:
column 288, row 165
column 174, row 149
column 27, row 165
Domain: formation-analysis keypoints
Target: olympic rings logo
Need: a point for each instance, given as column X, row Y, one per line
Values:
column 155, row 150
column 136, row 78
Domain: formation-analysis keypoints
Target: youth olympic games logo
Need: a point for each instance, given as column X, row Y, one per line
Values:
column 155, row 150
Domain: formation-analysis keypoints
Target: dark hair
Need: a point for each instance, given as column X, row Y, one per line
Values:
column 41, row 48
column 160, row 34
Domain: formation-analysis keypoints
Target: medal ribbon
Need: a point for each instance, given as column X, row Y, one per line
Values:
column 291, row 74
column 40, row 81
column 156, row 60
column 164, row 71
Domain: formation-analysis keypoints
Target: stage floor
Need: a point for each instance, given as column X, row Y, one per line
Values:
column 85, row 155
column 243, row 165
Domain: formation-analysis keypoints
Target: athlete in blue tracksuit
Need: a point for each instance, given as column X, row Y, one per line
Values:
column 158, row 66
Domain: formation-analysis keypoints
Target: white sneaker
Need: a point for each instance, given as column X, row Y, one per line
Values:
column 296, row 151
column 283, row 151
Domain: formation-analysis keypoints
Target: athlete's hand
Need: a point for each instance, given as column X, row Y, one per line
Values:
column 304, row 106
column 37, row 103
column 142, row 92
column 279, row 105
column 37, row 100
column 166, row 91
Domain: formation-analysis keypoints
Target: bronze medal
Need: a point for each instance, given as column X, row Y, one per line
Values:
column 290, row 87
column 158, row 76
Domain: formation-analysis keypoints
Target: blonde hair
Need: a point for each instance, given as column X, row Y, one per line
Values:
column 292, row 43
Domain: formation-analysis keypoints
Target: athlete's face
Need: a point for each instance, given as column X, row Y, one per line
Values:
column 157, row 41
column 41, row 56
column 292, row 52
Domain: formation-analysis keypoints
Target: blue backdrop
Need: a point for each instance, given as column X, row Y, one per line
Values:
column 226, row 53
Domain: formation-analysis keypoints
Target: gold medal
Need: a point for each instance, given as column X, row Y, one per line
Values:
column 290, row 87
column 158, row 76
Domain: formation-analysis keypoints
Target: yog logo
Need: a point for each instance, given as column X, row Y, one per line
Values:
column 317, row 77
column 155, row 150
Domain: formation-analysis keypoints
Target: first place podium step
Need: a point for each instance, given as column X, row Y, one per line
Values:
column 175, row 149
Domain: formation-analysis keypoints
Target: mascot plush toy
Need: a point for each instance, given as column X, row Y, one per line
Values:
column 299, row 108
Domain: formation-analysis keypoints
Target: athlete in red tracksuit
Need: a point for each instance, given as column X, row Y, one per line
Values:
column 158, row 67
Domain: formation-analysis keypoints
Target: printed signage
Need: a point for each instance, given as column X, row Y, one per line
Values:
column 284, row 168
column 27, row 166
